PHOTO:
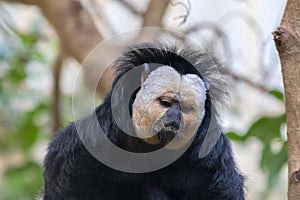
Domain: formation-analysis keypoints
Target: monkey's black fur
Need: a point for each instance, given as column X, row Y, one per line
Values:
column 72, row 173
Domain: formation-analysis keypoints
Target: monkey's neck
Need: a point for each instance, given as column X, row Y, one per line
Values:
column 137, row 145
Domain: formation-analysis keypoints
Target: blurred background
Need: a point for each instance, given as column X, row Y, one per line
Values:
column 42, row 46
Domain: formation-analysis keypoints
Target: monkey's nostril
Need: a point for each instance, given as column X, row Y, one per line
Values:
column 173, row 123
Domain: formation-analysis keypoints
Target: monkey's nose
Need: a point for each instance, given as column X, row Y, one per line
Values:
column 173, row 117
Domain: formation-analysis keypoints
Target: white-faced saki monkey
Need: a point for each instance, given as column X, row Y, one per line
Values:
column 173, row 106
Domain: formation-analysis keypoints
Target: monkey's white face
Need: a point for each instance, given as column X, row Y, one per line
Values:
column 169, row 106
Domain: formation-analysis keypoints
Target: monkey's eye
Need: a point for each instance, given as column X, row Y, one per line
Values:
column 165, row 102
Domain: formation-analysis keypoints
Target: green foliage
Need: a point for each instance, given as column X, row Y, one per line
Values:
column 24, row 116
column 26, row 130
column 268, row 131
column 279, row 95
column 22, row 182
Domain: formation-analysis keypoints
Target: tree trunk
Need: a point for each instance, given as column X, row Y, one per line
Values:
column 287, row 39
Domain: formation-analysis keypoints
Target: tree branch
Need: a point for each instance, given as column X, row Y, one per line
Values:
column 74, row 25
column 249, row 82
column 287, row 39
column 33, row 2
column 78, row 35
column 152, row 17
column 56, row 91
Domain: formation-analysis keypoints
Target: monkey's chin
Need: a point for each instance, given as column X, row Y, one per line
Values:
column 172, row 138
column 166, row 136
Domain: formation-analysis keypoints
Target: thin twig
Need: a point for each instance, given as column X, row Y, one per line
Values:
column 56, row 91
column 249, row 82
column 152, row 17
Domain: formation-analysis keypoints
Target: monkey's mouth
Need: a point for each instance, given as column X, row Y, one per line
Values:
column 166, row 134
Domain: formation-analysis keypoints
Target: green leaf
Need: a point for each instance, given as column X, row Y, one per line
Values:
column 272, row 163
column 17, row 71
column 266, row 128
column 277, row 94
column 235, row 136
column 27, row 39
column 23, row 182
column 266, row 157
column 38, row 56
column 27, row 132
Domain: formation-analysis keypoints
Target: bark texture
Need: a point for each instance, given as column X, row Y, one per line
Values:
column 287, row 39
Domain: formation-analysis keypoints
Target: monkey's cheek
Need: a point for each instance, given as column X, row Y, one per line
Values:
column 142, row 132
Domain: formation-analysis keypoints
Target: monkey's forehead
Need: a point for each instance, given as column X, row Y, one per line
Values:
column 166, row 79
